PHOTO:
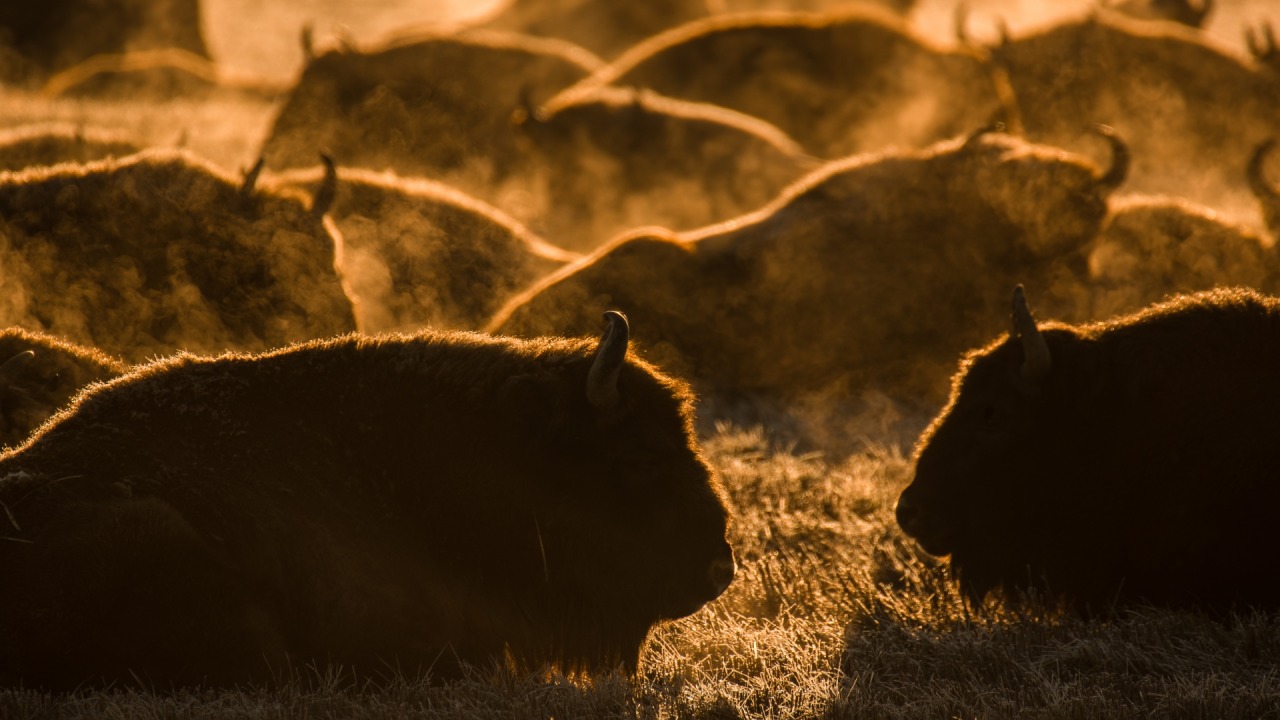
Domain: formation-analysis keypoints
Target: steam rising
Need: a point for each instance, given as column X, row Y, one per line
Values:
column 826, row 301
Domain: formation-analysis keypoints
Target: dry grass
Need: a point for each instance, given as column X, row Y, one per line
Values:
column 835, row 615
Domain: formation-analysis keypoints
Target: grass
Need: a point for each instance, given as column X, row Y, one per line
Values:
column 833, row 615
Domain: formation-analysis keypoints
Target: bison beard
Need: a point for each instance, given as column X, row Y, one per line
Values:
column 1124, row 461
column 410, row 504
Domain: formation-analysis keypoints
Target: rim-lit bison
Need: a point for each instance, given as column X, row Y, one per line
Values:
column 378, row 503
column 1191, row 110
column 37, row 38
column 1153, row 247
column 418, row 253
column 61, row 142
column 39, row 374
column 1127, row 460
column 161, row 251
column 807, row 296
column 856, row 79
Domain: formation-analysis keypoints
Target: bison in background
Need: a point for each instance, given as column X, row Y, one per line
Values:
column 161, row 251
column 1131, row 460
column 841, row 82
column 1151, row 247
column 1192, row 111
column 399, row 503
column 618, row 158
column 436, row 105
column 38, row 39
column 418, row 253
column 868, row 276
column 40, row 374
column 54, row 143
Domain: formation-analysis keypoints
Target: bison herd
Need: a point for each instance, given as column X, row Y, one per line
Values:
column 345, row 404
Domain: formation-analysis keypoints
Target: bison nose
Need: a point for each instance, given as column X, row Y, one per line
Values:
column 721, row 573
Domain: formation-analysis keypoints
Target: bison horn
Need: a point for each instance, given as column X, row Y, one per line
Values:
column 1035, row 351
column 602, row 381
column 1119, row 158
column 328, row 190
column 251, row 177
column 15, row 364
column 1257, row 179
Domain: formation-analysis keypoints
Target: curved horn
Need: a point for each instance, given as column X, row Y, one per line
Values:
column 328, row 190
column 1114, row 177
column 602, row 381
column 251, row 177
column 14, row 364
column 1261, row 42
column 1035, row 351
column 1257, row 179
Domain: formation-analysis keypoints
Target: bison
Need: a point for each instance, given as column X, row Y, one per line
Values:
column 1152, row 247
column 419, row 253
column 619, row 158
column 805, row 297
column 839, row 82
column 1192, row 111
column 161, row 251
column 41, row 38
column 1129, row 460
column 39, row 375
column 54, row 143
column 1267, row 193
column 435, row 105
column 415, row 503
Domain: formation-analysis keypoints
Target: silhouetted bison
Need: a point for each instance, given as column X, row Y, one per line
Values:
column 160, row 251
column 1127, row 460
column 53, row 143
column 1150, row 248
column 418, row 253
column 617, row 158
column 810, row 294
column 39, row 374
column 840, row 82
column 436, row 106
column 1192, row 111
column 381, row 503
column 38, row 38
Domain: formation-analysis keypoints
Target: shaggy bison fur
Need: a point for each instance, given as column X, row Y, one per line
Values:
column 410, row 503
column 1131, row 460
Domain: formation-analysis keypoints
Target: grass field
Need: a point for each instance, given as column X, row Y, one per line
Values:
column 833, row 614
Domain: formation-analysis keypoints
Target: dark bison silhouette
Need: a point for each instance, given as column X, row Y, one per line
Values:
column 1126, row 460
column 407, row 502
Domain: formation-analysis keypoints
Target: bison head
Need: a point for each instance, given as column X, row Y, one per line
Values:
column 985, row 489
column 1057, row 200
column 634, row 529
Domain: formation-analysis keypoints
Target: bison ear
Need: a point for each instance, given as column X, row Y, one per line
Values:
column 1035, row 351
column 611, row 353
